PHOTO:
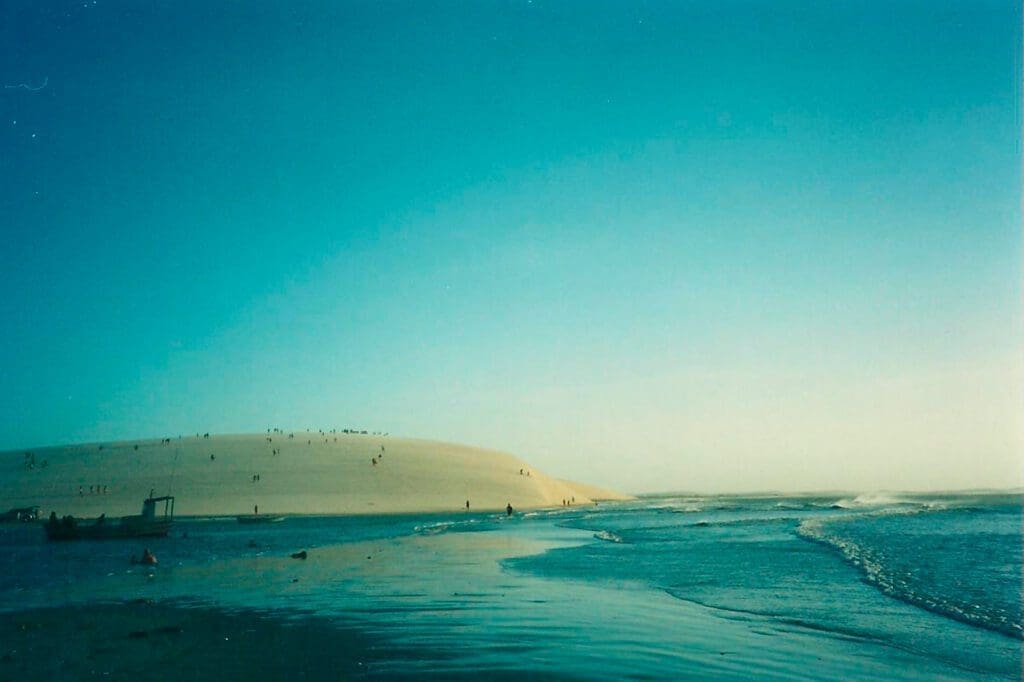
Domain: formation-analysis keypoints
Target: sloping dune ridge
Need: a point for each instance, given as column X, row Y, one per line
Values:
column 281, row 473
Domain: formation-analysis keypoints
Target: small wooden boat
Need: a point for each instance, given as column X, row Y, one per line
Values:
column 259, row 518
column 24, row 514
column 144, row 525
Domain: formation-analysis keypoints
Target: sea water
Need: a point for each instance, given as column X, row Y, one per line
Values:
column 861, row 587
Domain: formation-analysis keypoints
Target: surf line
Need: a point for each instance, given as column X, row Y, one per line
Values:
column 28, row 87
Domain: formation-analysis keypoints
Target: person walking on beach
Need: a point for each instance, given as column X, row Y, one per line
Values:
column 467, row 504
column 508, row 509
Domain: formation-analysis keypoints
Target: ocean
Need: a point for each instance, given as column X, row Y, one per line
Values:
column 664, row 587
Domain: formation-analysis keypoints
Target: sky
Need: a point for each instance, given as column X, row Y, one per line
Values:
column 703, row 246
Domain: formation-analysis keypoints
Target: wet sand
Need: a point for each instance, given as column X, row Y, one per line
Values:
column 145, row 640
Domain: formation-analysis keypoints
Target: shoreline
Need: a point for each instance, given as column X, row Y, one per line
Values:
column 465, row 599
column 201, row 518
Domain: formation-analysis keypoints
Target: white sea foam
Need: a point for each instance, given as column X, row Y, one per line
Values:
column 607, row 536
column 893, row 582
column 442, row 526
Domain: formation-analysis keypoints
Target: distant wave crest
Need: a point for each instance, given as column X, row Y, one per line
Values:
column 872, row 500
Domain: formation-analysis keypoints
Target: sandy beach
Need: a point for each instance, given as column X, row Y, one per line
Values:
column 298, row 472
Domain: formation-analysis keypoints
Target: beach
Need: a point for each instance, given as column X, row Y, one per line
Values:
column 666, row 587
column 521, row 340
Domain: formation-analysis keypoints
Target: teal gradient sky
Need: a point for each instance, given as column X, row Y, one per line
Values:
column 654, row 245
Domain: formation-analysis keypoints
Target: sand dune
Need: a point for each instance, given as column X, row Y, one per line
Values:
column 312, row 473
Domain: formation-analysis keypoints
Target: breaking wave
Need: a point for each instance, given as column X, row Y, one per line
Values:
column 903, row 582
column 879, row 499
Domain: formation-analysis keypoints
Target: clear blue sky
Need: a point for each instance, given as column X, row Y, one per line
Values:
column 690, row 245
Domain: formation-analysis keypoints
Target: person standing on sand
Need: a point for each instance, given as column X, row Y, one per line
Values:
column 508, row 509
column 255, row 510
column 467, row 504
